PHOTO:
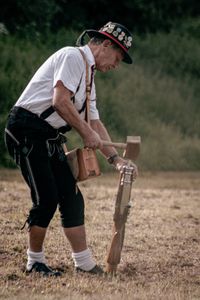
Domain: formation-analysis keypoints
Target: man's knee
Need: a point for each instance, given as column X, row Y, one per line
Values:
column 72, row 215
column 41, row 216
column 68, row 223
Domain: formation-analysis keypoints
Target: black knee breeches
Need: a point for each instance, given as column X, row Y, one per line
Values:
column 44, row 167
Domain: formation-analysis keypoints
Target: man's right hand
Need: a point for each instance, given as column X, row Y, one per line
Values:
column 92, row 140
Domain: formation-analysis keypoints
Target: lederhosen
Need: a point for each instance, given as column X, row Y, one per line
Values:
column 36, row 147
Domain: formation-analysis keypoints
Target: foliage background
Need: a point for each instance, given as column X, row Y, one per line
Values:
column 157, row 97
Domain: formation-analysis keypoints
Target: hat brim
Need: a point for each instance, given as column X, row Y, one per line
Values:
column 94, row 33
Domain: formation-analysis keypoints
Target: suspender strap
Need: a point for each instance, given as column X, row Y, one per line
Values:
column 50, row 110
column 47, row 112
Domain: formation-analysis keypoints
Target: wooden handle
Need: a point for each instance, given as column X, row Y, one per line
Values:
column 65, row 148
column 117, row 145
column 114, row 253
column 112, row 269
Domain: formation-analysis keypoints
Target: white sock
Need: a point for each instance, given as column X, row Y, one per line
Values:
column 84, row 260
column 34, row 257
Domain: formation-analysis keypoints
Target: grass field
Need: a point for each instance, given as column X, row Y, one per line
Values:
column 161, row 254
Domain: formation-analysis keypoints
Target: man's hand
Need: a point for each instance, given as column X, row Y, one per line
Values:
column 91, row 139
column 119, row 162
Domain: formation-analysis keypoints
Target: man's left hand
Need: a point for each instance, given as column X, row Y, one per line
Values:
column 119, row 162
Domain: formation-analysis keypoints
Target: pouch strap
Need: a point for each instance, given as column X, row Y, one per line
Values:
column 88, row 88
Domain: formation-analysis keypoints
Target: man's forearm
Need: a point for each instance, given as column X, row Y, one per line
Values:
column 72, row 117
column 64, row 107
column 98, row 126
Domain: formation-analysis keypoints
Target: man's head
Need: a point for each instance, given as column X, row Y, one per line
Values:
column 110, row 45
column 106, row 53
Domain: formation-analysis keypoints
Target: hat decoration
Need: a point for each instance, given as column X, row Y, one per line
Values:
column 115, row 32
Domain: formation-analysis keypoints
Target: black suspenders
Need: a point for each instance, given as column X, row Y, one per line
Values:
column 50, row 110
column 47, row 112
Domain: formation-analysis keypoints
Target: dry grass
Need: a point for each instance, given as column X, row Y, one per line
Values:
column 161, row 254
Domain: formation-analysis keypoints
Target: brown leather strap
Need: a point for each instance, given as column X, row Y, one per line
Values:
column 88, row 88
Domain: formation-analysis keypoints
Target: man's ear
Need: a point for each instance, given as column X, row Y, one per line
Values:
column 107, row 43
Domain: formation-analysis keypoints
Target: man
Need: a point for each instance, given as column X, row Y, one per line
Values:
column 53, row 102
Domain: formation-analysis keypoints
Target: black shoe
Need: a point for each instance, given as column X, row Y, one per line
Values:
column 96, row 270
column 43, row 270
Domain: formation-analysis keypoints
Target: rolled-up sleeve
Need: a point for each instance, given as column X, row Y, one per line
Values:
column 94, row 113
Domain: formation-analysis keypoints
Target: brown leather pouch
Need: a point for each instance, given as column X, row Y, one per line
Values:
column 83, row 163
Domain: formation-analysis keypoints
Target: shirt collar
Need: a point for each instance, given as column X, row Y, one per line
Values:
column 89, row 55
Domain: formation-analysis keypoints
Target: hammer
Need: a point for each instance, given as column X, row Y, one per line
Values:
column 132, row 146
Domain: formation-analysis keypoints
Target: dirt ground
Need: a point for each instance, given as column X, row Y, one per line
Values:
column 161, row 253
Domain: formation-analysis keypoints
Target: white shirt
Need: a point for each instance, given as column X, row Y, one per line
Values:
column 67, row 65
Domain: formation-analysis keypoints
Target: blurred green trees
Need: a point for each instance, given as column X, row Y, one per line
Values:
column 138, row 15
column 157, row 97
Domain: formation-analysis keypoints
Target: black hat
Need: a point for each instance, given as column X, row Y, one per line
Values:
column 116, row 33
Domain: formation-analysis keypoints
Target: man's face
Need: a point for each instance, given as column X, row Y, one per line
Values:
column 109, row 57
